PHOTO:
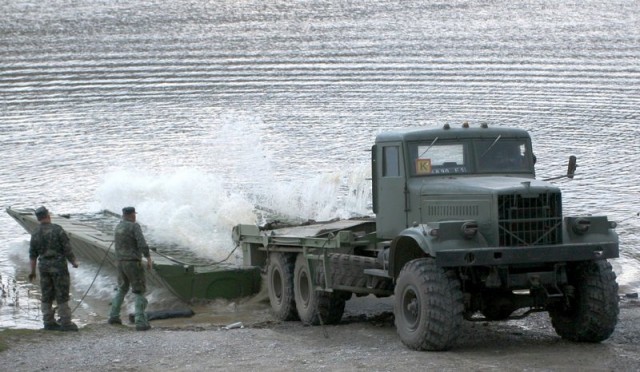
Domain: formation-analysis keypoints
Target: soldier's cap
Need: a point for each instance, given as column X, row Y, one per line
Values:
column 128, row 210
column 42, row 212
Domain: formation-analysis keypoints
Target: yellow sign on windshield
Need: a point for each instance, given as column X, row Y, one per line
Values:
column 423, row 166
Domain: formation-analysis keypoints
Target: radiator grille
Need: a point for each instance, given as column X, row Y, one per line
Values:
column 453, row 211
column 525, row 221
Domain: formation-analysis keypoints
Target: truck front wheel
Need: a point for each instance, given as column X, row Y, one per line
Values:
column 315, row 307
column 428, row 306
column 590, row 313
column 280, row 285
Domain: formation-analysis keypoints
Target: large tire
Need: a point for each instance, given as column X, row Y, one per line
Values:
column 428, row 306
column 315, row 307
column 592, row 311
column 348, row 270
column 280, row 285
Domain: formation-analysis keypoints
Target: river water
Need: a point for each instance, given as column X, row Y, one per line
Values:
column 196, row 111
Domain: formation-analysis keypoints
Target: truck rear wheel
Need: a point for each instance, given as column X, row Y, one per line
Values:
column 315, row 307
column 280, row 285
column 428, row 306
column 591, row 313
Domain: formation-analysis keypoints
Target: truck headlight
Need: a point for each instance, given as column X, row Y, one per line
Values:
column 581, row 226
column 469, row 230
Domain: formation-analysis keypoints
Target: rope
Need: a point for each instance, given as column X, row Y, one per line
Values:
column 198, row 265
column 630, row 217
column 163, row 255
column 94, row 278
column 324, row 329
column 114, row 214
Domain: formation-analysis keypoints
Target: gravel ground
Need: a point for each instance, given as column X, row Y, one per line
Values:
column 365, row 340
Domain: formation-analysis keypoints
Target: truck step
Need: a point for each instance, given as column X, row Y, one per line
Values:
column 377, row 272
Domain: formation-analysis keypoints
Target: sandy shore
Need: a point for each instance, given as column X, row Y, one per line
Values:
column 365, row 340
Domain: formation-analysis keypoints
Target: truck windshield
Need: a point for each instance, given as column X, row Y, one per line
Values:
column 502, row 155
column 443, row 157
column 438, row 158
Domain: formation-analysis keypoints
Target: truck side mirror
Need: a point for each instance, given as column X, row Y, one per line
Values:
column 571, row 167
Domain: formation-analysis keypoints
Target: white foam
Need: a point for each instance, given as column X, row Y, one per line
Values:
column 341, row 194
column 189, row 207
column 18, row 251
column 197, row 209
column 192, row 208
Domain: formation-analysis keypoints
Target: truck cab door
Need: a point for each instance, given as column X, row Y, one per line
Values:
column 389, row 189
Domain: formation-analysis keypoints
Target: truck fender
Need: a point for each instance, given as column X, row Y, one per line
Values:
column 410, row 244
column 426, row 240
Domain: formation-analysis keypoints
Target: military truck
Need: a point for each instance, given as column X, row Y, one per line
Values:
column 463, row 230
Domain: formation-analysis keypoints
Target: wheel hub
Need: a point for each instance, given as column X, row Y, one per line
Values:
column 411, row 308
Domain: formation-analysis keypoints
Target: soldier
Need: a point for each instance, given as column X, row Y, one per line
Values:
column 50, row 244
column 130, row 247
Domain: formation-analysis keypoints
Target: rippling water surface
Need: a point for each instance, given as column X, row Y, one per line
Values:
column 196, row 111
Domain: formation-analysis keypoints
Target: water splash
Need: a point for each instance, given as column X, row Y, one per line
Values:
column 189, row 208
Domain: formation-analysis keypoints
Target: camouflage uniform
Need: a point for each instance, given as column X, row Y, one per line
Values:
column 130, row 247
column 50, row 244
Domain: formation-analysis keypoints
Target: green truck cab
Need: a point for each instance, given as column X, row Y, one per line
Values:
column 463, row 231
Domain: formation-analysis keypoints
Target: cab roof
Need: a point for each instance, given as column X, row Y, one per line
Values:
column 448, row 132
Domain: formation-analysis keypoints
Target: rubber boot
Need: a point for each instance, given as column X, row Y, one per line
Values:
column 142, row 323
column 116, row 304
column 65, row 318
column 48, row 317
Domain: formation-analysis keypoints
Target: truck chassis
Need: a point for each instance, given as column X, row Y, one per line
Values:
column 311, row 270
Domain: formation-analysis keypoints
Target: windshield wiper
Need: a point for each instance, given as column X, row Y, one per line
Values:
column 428, row 148
column 490, row 147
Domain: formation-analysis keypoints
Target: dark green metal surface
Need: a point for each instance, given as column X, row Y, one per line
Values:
column 193, row 283
column 188, row 282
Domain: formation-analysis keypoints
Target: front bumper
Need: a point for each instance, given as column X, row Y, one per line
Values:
column 526, row 255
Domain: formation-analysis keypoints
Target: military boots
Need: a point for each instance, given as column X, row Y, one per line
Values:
column 65, row 318
column 142, row 323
